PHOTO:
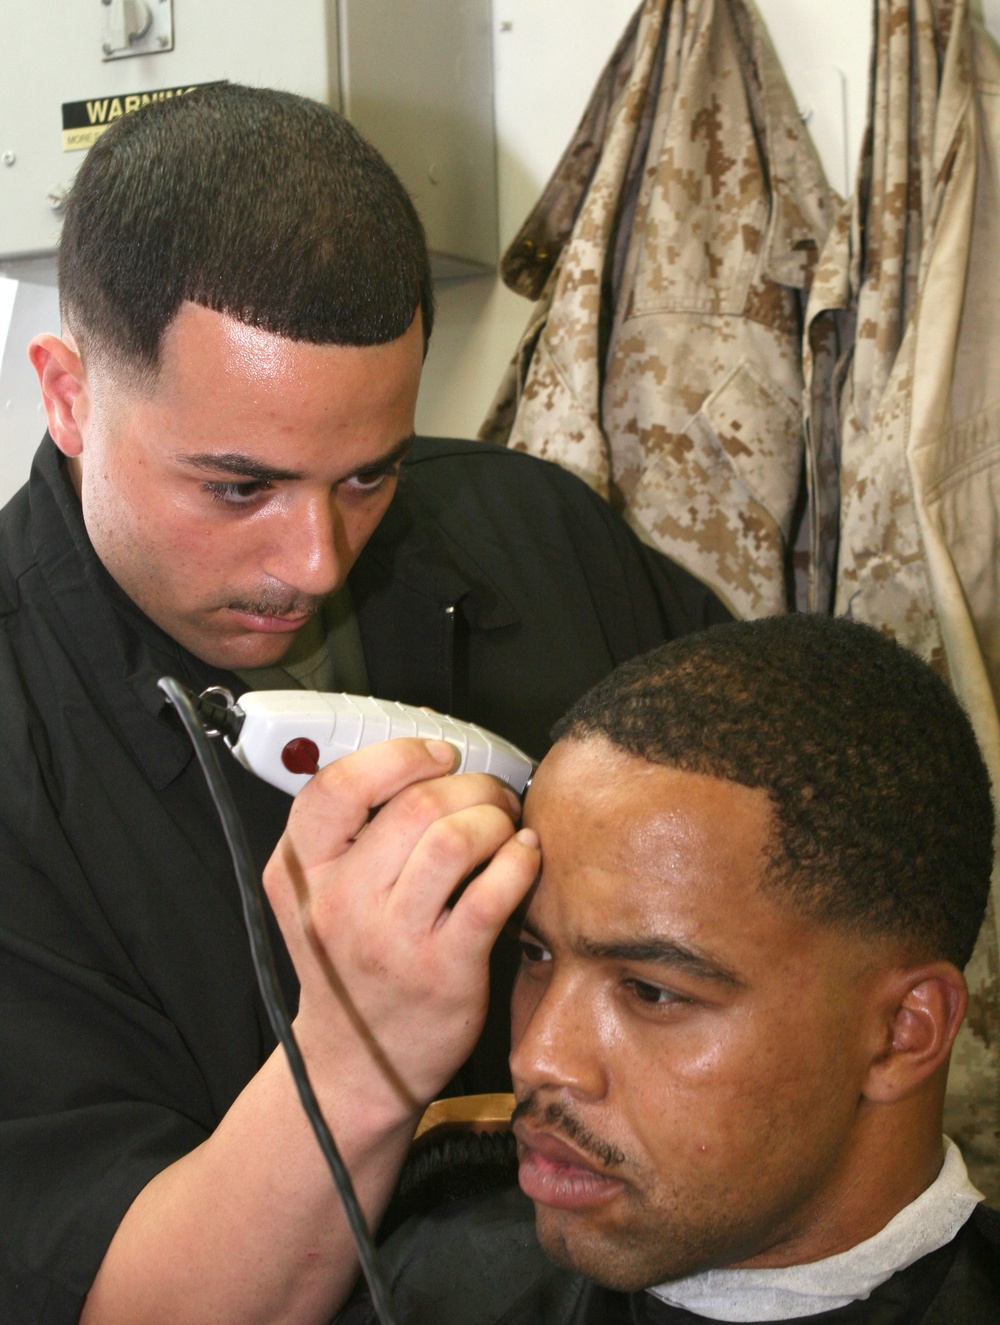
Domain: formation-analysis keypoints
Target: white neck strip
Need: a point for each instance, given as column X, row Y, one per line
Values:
column 926, row 1224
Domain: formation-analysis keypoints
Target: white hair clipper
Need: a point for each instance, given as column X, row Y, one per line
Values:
column 284, row 736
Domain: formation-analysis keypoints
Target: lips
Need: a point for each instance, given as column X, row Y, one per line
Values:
column 556, row 1174
column 268, row 625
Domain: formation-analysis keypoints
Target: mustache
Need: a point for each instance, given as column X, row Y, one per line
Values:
column 556, row 1117
column 275, row 604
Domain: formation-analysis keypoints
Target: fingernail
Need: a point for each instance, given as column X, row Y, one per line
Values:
column 443, row 752
column 528, row 838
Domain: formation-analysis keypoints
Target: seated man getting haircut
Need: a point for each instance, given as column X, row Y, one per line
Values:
column 765, row 858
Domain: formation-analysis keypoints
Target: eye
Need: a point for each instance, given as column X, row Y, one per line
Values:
column 370, row 480
column 532, row 953
column 236, row 494
column 645, row 992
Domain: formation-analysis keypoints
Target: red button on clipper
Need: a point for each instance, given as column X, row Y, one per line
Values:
column 301, row 755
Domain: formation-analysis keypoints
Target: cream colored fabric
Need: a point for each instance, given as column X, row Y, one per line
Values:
column 912, row 273
column 677, row 238
column 930, row 1221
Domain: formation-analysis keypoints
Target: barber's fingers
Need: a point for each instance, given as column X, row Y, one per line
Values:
column 381, row 853
column 317, row 865
column 473, row 925
column 448, row 852
column 334, row 805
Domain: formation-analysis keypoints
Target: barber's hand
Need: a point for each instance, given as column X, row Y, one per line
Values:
column 392, row 977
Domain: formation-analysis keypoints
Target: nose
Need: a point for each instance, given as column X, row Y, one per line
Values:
column 556, row 1040
column 307, row 554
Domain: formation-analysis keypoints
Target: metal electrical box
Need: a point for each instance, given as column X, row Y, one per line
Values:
column 415, row 76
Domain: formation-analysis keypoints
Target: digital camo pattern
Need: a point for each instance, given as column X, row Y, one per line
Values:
column 874, row 265
column 675, row 243
column 902, row 328
column 971, row 1108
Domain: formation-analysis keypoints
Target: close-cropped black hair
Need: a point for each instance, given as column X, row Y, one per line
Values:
column 260, row 204
column 883, row 816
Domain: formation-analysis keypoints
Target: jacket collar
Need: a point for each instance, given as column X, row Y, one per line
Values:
column 413, row 548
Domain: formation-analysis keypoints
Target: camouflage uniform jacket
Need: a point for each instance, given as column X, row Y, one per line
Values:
column 672, row 249
column 904, row 428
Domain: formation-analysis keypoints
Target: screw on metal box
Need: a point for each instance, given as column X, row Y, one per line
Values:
column 8, row 158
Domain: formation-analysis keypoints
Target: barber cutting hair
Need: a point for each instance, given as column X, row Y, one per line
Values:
column 230, row 493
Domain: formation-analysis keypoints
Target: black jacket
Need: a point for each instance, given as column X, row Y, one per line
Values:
column 479, row 1263
column 497, row 587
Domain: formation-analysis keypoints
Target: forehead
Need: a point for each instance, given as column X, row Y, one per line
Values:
column 201, row 340
column 638, row 850
column 220, row 379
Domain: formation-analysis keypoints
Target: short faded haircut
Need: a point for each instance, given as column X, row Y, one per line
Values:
column 881, row 800
column 259, row 204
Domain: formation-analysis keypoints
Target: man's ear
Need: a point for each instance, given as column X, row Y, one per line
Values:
column 922, row 1009
column 65, row 389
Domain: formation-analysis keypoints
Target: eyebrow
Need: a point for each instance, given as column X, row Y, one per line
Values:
column 654, row 950
column 241, row 465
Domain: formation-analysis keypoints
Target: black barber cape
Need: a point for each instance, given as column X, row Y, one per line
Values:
column 497, row 587
column 478, row 1263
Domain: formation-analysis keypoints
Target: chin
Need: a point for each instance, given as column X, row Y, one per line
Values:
column 615, row 1263
column 625, row 1261
column 235, row 654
